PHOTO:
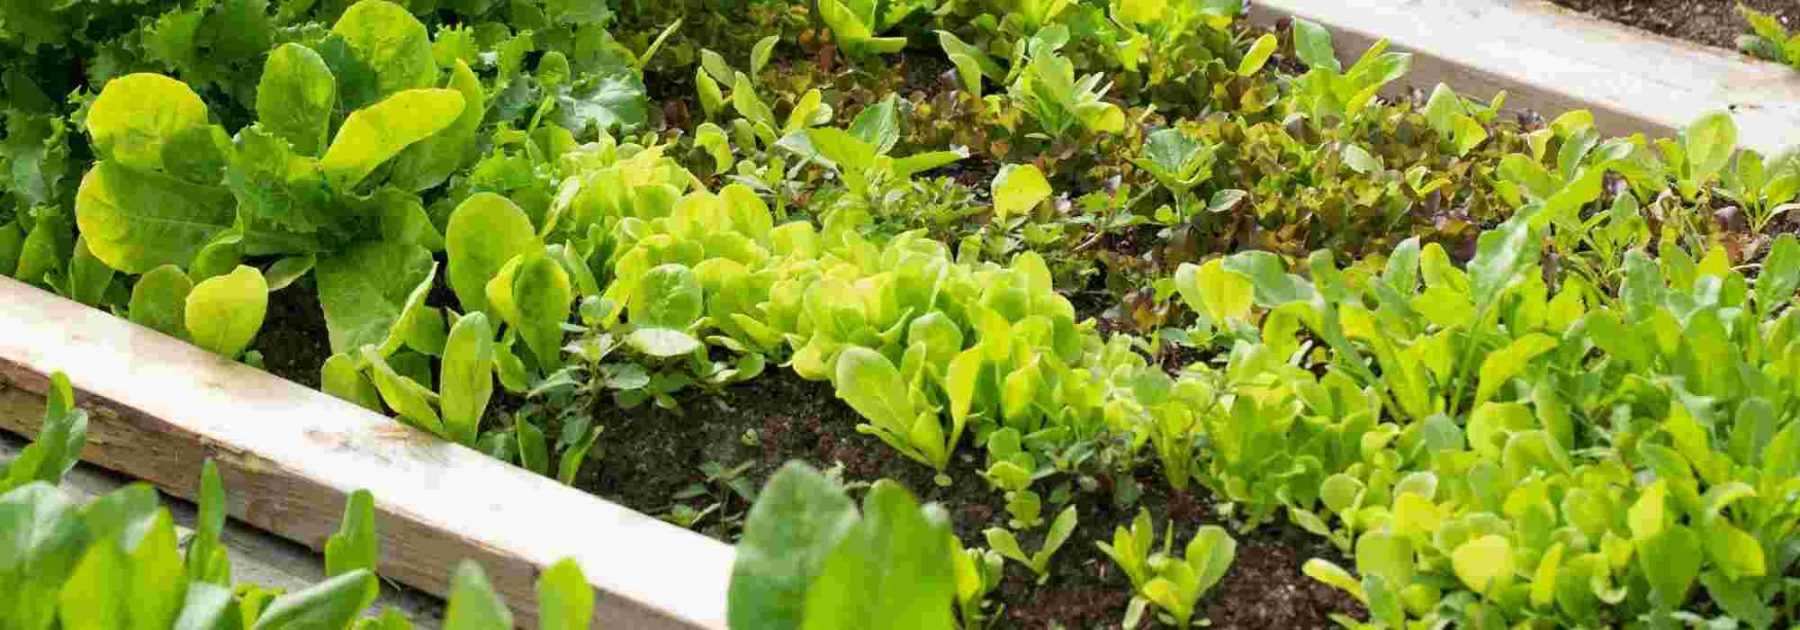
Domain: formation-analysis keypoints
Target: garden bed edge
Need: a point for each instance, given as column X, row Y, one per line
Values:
column 289, row 455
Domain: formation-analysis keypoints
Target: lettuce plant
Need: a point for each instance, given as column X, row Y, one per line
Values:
column 856, row 24
column 1002, row 541
column 809, row 557
column 1768, row 39
column 1046, row 88
column 1328, row 91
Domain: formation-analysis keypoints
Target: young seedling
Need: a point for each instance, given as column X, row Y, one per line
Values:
column 1131, row 548
column 1002, row 540
column 1012, row 470
column 977, row 572
column 1180, row 582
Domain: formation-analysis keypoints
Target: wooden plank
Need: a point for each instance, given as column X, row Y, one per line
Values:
column 256, row 556
column 289, row 455
column 1552, row 60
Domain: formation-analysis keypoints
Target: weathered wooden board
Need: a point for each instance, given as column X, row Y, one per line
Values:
column 256, row 556
column 289, row 455
column 1552, row 60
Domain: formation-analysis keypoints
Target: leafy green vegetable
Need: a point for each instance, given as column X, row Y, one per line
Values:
column 375, row 134
column 224, row 313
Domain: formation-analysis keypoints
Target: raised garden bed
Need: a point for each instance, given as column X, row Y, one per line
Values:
column 1364, row 352
column 291, row 455
column 1552, row 60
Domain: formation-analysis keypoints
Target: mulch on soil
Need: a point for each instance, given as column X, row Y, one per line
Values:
column 1710, row 22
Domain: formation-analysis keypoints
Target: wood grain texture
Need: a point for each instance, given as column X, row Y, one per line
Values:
column 289, row 455
column 1552, row 60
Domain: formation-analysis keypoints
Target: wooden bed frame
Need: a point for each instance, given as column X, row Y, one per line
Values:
column 289, row 455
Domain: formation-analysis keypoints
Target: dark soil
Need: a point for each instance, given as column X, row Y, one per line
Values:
column 1711, row 22
column 650, row 456
column 293, row 340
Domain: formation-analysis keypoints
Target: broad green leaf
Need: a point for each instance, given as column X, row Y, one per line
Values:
column 60, row 439
column 135, row 220
column 1739, row 599
column 208, row 607
column 1312, row 43
column 1387, row 555
column 363, row 290
column 418, row 326
column 873, row 386
column 1210, row 553
column 1258, row 55
column 375, row 134
column 341, row 378
column 1780, row 274
column 1501, row 254
column 1333, row 575
column 89, row 278
column 296, row 96
column 534, row 454
column 355, row 545
column 332, row 604
column 1504, row 364
column 431, row 161
column 473, row 604
column 43, row 249
column 1484, row 564
column 842, row 151
column 746, row 102
column 138, row 118
column 879, row 124
column 224, row 313
column 390, row 41
column 12, row 245
column 408, row 397
column 1671, row 561
column 1442, row 108
column 42, row 542
column 614, row 102
column 565, row 599
column 156, row 577
column 668, row 296
column 1273, row 286
column 484, row 232
column 1212, row 291
column 898, row 551
column 1710, row 141
column 1359, row 160
column 218, row 257
column 466, row 379
column 920, row 162
column 759, row 54
column 799, row 517
column 287, row 270
column 663, row 343
column 1734, row 551
column 1017, row 189
column 542, row 295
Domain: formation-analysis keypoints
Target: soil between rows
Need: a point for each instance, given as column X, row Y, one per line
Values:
column 647, row 456
column 1710, row 22
column 650, row 455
